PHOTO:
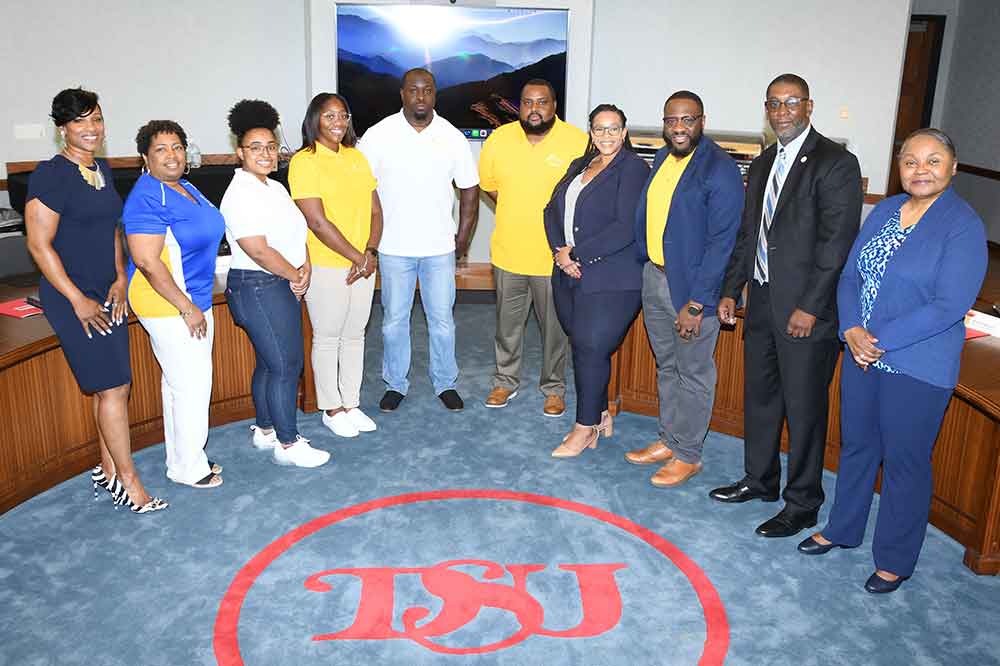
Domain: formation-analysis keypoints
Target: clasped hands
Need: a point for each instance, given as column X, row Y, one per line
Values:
column 862, row 346
column 363, row 269
column 98, row 318
column 300, row 286
column 565, row 264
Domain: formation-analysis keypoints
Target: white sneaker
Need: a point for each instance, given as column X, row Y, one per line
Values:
column 341, row 424
column 264, row 440
column 361, row 420
column 300, row 454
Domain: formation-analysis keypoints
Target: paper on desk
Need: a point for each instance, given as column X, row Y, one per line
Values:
column 981, row 323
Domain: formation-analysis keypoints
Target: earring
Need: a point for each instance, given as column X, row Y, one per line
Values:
column 144, row 169
column 187, row 169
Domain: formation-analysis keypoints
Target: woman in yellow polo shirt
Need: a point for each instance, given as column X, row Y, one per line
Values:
column 334, row 188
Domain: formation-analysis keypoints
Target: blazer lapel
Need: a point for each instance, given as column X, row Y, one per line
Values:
column 604, row 175
column 794, row 173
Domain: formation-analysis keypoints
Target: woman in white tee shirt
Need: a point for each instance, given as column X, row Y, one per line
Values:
column 269, row 274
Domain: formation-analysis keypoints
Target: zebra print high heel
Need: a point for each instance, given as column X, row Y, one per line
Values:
column 100, row 480
column 121, row 498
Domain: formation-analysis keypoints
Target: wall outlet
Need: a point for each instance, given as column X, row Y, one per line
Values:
column 29, row 131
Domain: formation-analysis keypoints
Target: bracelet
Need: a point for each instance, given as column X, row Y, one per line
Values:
column 186, row 313
column 371, row 250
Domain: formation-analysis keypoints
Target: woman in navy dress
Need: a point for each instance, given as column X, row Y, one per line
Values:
column 72, row 224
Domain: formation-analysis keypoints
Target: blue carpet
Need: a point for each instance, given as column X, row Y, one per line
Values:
column 84, row 584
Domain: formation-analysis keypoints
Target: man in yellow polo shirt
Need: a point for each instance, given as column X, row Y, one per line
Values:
column 518, row 167
column 686, row 222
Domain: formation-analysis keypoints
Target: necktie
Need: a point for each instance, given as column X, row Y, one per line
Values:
column 770, row 201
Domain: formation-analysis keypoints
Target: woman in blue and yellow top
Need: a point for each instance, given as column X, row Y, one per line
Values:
column 913, row 273
column 173, row 236
column 72, row 222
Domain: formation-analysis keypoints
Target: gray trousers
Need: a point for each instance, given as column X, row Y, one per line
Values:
column 685, row 369
column 516, row 294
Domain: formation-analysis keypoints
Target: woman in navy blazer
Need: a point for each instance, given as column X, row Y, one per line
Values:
column 597, row 279
column 913, row 273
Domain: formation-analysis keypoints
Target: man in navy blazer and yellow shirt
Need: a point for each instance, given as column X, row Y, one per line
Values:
column 685, row 226
column 802, row 213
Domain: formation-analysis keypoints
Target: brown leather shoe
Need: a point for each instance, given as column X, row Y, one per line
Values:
column 499, row 397
column 554, row 405
column 674, row 473
column 657, row 452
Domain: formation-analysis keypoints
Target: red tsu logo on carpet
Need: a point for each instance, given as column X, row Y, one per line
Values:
column 467, row 586
column 463, row 597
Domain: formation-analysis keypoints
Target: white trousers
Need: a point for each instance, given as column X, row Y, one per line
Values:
column 186, row 363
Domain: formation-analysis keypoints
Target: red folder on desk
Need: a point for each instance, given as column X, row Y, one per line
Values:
column 19, row 308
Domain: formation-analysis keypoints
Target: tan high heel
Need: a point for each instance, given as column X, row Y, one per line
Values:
column 570, row 448
column 607, row 424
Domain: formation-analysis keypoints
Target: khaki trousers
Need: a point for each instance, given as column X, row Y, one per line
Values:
column 516, row 295
column 339, row 314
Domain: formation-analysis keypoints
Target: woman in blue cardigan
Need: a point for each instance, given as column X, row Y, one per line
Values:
column 913, row 273
column 597, row 279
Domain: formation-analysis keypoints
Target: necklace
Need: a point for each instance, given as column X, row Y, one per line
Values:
column 94, row 177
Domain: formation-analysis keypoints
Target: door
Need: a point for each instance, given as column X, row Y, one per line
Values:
column 916, row 92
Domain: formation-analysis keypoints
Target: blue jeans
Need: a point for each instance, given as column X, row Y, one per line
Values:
column 264, row 306
column 437, row 293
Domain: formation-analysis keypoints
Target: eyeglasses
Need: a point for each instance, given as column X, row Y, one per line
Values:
column 330, row 117
column 258, row 149
column 610, row 130
column 688, row 121
column 790, row 103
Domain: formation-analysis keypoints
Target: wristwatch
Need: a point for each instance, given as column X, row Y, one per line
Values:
column 695, row 310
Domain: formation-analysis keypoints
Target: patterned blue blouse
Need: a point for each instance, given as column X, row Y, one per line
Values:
column 872, row 260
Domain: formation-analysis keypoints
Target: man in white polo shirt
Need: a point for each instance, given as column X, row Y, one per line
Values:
column 415, row 156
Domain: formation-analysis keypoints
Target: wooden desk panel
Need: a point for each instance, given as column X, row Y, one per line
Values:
column 49, row 433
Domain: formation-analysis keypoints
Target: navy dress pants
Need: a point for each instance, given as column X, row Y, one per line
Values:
column 888, row 420
column 596, row 324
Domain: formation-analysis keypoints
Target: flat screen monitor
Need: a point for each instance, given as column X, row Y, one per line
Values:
column 480, row 59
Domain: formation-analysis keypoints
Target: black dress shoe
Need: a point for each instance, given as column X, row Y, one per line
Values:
column 740, row 492
column 390, row 401
column 812, row 547
column 878, row 585
column 452, row 400
column 786, row 524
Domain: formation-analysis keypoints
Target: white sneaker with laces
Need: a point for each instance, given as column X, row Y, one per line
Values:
column 361, row 420
column 300, row 454
column 264, row 440
column 341, row 424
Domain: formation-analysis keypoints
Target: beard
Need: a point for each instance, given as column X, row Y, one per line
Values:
column 540, row 128
column 692, row 144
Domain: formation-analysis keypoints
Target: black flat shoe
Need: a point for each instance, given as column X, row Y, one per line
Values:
column 740, row 492
column 786, row 524
column 452, row 400
column 390, row 401
column 812, row 547
column 878, row 585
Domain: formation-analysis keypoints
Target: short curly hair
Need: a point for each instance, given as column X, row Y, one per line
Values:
column 146, row 133
column 250, row 114
column 71, row 104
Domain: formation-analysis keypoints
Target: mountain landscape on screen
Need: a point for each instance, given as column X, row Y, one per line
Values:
column 480, row 58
